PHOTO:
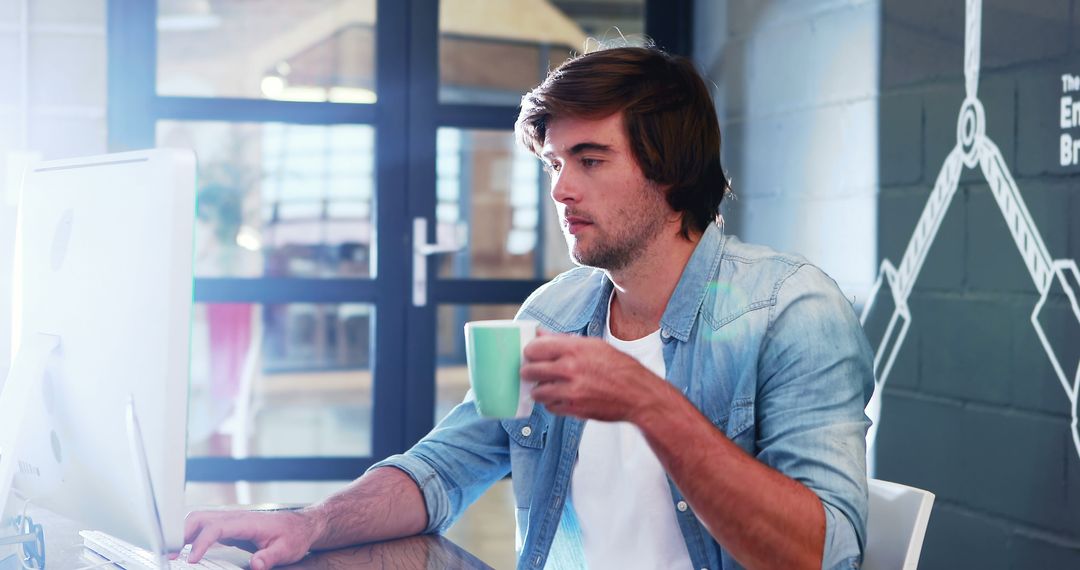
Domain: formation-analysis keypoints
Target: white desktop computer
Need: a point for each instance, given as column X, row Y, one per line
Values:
column 103, row 300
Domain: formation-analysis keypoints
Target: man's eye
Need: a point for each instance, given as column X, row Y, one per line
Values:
column 590, row 162
column 552, row 166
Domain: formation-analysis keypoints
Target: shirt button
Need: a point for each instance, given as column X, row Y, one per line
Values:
column 664, row 333
column 682, row 506
column 526, row 431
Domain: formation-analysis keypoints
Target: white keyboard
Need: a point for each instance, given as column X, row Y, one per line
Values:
column 130, row 557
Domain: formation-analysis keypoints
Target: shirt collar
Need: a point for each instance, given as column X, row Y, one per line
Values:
column 685, row 302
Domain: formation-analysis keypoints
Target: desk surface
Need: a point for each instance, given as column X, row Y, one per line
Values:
column 64, row 550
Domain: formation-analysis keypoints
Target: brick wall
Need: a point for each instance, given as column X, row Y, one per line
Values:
column 796, row 91
column 63, row 64
column 973, row 409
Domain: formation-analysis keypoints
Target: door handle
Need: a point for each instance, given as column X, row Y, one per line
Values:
column 422, row 249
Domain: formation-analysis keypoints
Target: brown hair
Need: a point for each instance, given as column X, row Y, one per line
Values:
column 669, row 115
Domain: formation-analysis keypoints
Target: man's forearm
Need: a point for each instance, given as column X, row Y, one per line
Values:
column 385, row 503
column 762, row 517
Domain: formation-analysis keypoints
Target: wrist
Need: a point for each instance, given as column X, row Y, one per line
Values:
column 314, row 523
column 657, row 405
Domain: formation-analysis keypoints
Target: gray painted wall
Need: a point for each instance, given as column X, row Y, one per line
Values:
column 972, row 409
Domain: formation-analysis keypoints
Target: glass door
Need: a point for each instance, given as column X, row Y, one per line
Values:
column 295, row 110
column 361, row 197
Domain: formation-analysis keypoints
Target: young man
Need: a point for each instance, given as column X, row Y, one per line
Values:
column 699, row 400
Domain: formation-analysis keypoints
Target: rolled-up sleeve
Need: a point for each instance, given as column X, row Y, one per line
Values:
column 455, row 463
column 815, row 378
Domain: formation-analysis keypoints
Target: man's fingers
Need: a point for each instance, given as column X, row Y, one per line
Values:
column 542, row 372
column 549, row 347
column 207, row 537
column 197, row 520
column 550, row 393
column 561, row 407
column 275, row 553
column 225, row 529
column 259, row 562
column 192, row 524
column 242, row 544
column 264, row 534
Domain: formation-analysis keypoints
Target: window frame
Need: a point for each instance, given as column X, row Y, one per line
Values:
column 406, row 117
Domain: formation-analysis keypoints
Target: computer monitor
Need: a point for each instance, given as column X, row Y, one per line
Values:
column 103, row 301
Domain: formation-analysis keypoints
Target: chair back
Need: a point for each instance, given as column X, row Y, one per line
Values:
column 898, row 518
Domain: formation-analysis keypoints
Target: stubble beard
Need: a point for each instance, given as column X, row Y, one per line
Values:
column 616, row 248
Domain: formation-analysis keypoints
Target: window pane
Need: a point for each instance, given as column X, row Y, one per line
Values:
column 281, row 199
column 294, row 50
column 452, row 372
column 492, row 51
column 281, row 380
column 486, row 180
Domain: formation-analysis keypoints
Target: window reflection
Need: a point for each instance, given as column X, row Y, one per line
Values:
column 452, row 372
column 309, row 50
column 488, row 181
column 280, row 380
column 492, row 51
column 278, row 199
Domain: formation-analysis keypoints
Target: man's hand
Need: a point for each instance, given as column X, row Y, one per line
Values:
column 282, row 537
column 588, row 378
column 383, row 504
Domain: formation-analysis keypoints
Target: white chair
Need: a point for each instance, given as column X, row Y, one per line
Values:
column 898, row 517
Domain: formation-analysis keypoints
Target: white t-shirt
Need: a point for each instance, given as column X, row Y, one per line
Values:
column 619, row 490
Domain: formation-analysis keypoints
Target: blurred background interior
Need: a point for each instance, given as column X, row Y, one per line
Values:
column 325, row 127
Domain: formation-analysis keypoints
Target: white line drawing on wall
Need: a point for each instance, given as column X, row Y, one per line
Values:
column 972, row 149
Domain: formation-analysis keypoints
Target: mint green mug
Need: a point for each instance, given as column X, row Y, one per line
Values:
column 494, row 353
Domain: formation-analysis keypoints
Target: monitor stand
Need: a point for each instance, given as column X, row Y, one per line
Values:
column 21, row 393
column 30, row 537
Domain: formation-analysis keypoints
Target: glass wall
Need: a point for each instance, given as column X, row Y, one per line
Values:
column 492, row 51
column 488, row 182
column 279, row 199
column 314, row 50
column 287, row 380
column 452, row 373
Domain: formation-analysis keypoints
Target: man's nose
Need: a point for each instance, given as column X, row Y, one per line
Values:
column 563, row 189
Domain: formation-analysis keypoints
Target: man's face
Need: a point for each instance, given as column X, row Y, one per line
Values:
column 608, row 210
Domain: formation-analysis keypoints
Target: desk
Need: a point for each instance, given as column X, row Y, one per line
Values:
column 64, row 551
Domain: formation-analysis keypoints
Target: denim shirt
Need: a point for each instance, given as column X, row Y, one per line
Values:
column 762, row 343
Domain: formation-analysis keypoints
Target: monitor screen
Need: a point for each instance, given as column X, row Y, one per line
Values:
column 104, row 269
